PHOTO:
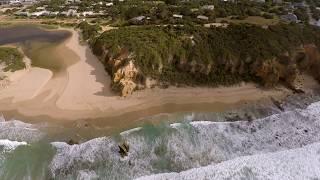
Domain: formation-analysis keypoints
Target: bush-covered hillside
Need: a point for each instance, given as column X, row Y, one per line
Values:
column 208, row 56
column 11, row 59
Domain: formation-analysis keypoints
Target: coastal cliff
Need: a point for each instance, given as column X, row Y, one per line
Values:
column 144, row 57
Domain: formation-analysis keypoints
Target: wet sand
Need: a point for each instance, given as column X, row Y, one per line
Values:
column 80, row 91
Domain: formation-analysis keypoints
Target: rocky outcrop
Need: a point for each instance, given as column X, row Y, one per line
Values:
column 288, row 67
column 123, row 71
column 123, row 149
column 309, row 60
column 124, row 78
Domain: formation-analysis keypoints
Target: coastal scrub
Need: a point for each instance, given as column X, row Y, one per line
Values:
column 11, row 59
column 196, row 55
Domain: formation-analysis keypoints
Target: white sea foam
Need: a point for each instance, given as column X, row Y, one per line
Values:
column 187, row 145
column 300, row 163
column 87, row 175
column 19, row 131
column 130, row 131
column 7, row 145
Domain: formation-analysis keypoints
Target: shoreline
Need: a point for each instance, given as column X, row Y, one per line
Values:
column 81, row 92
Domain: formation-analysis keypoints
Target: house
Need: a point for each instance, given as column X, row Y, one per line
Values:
column 201, row 17
column 87, row 13
column 194, row 10
column 109, row 4
column 55, row 13
column 11, row 2
column 14, row 2
column 289, row 18
column 40, row 13
column 208, row 7
column 72, row 1
column 137, row 20
column 40, row 8
column 177, row 16
column 28, row 2
column 20, row 13
column 223, row 25
column 70, row 12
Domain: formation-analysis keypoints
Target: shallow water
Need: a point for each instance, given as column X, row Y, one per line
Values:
column 37, row 44
column 27, row 33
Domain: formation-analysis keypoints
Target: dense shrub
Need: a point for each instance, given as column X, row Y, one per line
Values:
column 182, row 53
column 88, row 31
column 11, row 58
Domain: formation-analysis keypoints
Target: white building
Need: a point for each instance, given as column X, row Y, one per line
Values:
column 177, row 16
column 70, row 12
column 40, row 13
column 201, row 17
column 208, row 7
column 22, row 14
column 109, row 4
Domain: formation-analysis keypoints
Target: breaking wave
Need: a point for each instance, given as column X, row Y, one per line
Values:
column 300, row 163
column 181, row 146
column 199, row 149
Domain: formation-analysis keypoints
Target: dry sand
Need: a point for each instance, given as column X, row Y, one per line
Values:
column 82, row 91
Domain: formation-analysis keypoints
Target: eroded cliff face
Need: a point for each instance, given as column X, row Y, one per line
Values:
column 127, row 77
column 123, row 71
column 309, row 61
column 287, row 67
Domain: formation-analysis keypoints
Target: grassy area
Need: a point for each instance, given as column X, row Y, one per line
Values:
column 11, row 58
column 257, row 20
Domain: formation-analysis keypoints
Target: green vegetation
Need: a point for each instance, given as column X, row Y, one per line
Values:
column 121, row 13
column 314, row 11
column 207, row 56
column 256, row 20
column 89, row 31
column 11, row 58
column 55, row 24
column 302, row 14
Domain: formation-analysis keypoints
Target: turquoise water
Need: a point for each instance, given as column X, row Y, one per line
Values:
column 28, row 162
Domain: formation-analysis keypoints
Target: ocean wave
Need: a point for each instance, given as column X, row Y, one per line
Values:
column 7, row 145
column 16, row 130
column 300, row 163
column 181, row 146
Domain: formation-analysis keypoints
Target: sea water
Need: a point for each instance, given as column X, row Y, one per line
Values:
column 28, row 153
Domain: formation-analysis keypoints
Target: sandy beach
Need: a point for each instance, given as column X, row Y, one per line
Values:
column 81, row 91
